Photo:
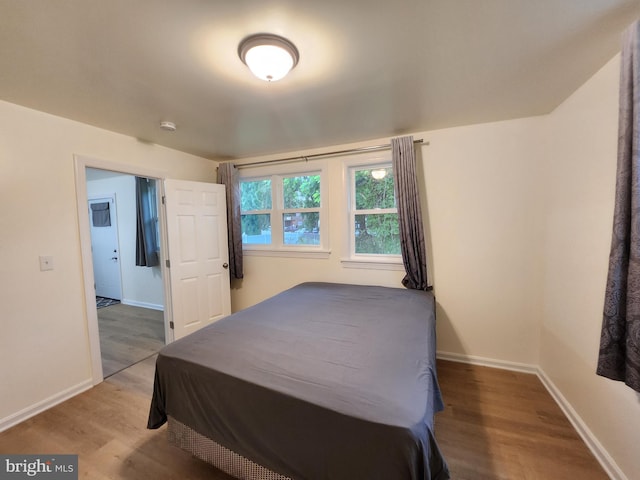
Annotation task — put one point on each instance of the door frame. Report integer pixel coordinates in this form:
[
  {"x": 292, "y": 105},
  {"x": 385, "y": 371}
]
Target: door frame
[
  {"x": 81, "y": 163},
  {"x": 113, "y": 211}
]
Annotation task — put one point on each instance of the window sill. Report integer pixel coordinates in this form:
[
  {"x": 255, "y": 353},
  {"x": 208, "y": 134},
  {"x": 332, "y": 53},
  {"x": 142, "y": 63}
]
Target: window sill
[
  {"x": 372, "y": 264},
  {"x": 319, "y": 254}
]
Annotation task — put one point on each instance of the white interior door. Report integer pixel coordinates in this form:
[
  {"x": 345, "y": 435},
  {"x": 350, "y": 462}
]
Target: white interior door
[
  {"x": 198, "y": 254},
  {"x": 105, "y": 250}
]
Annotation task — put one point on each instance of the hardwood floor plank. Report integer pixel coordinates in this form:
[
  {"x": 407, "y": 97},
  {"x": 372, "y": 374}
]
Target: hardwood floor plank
[
  {"x": 128, "y": 334},
  {"x": 497, "y": 425},
  {"x": 106, "y": 427}
]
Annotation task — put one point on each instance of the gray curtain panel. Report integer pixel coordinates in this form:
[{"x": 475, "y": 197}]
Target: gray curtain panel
[
  {"x": 619, "y": 357},
  {"x": 101, "y": 215},
  {"x": 409, "y": 214},
  {"x": 228, "y": 176},
  {"x": 147, "y": 248}
]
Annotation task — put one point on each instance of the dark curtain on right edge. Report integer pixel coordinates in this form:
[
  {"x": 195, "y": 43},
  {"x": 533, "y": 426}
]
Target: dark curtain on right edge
[
  {"x": 412, "y": 243},
  {"x": 619, "y": 357},
  {"x": 228, "y": 176}
]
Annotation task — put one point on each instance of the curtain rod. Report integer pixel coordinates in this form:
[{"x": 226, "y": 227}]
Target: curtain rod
[{"x": 326, "y": 154}]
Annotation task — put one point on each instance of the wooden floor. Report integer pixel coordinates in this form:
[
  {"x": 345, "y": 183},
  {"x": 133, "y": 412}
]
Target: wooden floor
[
  {"x": 497, "y": 425},
  {"x": 128, "y": 334}
]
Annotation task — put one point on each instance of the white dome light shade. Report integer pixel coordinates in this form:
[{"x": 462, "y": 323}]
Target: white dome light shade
[
  {"x": 268, "y": 62},
  {"x": 269, "y": 57},
  {"x": 379, "y": 174}
]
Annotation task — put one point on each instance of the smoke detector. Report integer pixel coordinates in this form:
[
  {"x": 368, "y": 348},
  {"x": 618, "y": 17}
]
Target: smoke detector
[{"x": 168, "y": 126}]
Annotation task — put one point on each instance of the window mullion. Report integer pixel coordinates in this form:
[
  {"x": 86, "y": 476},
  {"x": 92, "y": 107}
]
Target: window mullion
[
  {"x": 352, "y": 212},
  {"x": 255, "y": 212},
  {"x": 300, "y": 210},
  {"x": 376, "y": 211},
  {"x": 276, "y": 218}
]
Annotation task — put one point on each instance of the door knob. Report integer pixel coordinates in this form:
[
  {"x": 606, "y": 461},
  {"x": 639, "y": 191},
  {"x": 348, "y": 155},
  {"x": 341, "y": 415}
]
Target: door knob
[
  {"x": 114, "y": 258},
  {"x": 225, "y": 265}
]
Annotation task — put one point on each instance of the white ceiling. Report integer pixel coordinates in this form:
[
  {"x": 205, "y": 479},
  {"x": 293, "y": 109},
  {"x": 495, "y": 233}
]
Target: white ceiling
[{"x": 368, "y": 69}]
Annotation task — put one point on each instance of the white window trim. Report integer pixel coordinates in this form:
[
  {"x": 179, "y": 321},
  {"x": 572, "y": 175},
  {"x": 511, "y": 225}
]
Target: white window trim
[
  {"x": 263, "y": 252},
  {"x": 351, "y": 259},
  {"x": 276, "y": 173}
]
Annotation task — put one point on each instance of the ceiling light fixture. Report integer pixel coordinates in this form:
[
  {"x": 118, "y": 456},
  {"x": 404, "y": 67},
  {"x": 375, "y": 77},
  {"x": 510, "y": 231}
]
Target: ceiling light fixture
[
  {"x": 379, "y": 174},
  {"x": 269, "y": 57}
]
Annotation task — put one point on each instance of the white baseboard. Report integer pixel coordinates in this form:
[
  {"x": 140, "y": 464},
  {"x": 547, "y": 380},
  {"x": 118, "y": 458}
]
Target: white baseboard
[
  {"x": 43, "y": 405},
  {"x": 601, "y": 454},
  {"x": 487, "y": 362},
  {"x": 135, "y": 303}
]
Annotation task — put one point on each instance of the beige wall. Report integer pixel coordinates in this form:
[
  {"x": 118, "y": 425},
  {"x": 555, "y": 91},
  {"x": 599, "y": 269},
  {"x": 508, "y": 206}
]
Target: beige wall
[
  {"x": 44, "y": 347},
  {"x": 580, "y": 183},
  {"x": 482, "y": 194}
]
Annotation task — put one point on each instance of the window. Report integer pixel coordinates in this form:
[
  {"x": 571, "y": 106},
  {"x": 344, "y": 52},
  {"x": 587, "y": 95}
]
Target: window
[
  {"x": 282, "y": 212},
  {"x": 301, "y": 212},
  {"x": 255, "y": 208},
  {"x": 372, "y": 215}
]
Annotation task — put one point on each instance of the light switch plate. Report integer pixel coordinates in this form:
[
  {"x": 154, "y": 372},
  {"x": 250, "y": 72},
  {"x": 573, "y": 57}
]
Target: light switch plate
[{"x": 46, "y": 262}]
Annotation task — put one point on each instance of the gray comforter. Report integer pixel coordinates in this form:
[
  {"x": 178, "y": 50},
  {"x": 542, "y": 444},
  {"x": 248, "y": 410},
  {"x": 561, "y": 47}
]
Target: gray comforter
[{"x": 323, "y": 381}]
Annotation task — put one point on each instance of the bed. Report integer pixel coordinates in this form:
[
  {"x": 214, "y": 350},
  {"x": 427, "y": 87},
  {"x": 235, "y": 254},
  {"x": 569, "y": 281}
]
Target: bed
[{"x": 322, "y": 381}]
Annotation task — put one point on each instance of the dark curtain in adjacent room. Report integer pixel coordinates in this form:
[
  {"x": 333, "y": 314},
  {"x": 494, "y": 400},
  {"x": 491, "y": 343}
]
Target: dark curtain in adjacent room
[{"x": 147, "y": 247}]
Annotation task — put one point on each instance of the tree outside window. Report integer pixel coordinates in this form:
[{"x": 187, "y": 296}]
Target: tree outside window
[
  {"x": 301, "y": 213},
  {"x": 374, "y": 211},
  {"x": 255, "y": 207}
]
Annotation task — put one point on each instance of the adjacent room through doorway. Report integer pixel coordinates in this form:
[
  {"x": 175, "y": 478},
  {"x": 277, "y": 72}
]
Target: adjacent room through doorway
[{"x": 129, "y": 296}]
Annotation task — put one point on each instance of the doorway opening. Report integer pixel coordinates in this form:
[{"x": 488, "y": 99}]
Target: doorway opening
[
  {"x": 129, "y": 295},
  {"x": 193, "y": 220},
  {"x": 143, "y": 303}
]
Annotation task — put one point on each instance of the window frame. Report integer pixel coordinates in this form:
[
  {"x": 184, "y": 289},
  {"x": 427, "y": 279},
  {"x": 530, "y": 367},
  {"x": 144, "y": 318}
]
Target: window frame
[
  {"x": 351, "y": 259},
  {"x": 277, "y": 173}
]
